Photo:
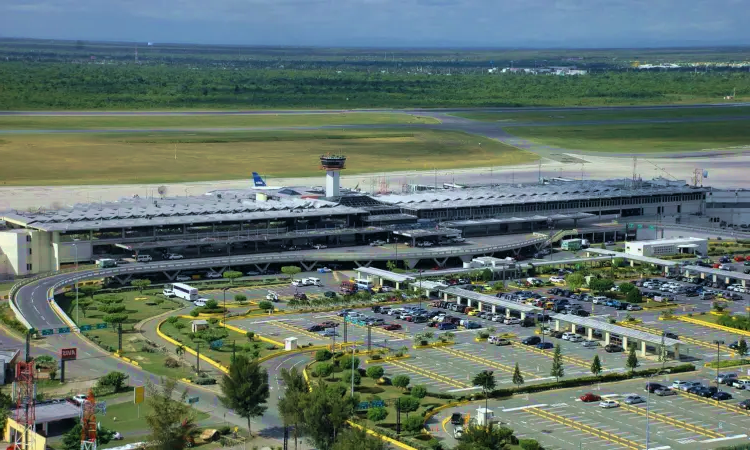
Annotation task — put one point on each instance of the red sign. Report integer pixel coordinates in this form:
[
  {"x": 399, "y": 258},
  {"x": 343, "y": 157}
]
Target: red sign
[{"x": 68, "y": 354}]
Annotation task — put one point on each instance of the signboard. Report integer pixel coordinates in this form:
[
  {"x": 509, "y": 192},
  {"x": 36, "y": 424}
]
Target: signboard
[
  {"x": 68, "y": 354},
  {"x": 139, "y": 394},
  {"x": 63, "y": 330},
  {"x": 101, "y": 326},
  {"x": 85, "y": 327},
  {"x": 372, "y": 404},
  {"x": 48, "y": 332},
  {"x": 216, "y": 344}
]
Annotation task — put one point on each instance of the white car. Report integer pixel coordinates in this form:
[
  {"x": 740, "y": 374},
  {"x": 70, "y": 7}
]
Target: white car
[
  {"x": 742, "y": 384},
  {"x": 252, "y": 273},
  {"x": 79, "y": 399},
  {"x": 567, "y": 335},
  {"x": 633, "y": 399},
  {"x": 182, "y": 278},
  {"x": 590, "y": 344},
  {"x": 511, "y": 321},
  {"x": 272, "y": 296},
  {"x": 599, "y": 300},
  {"x": 377, "y": 243},
  {"x": 199, "y": 303},
  {"x": 632, "y": 307},
  {"x": 576, "y": 338},
  {"x": 174, "y": 256},
  {"x": 557, "y": 279},
  {"x": 319, "y": 246},
  {"x": 606, "y": 404},
  {"x": 214, "y": 275},
  {"x": 498, "y": 318},
  {"x": 298, "y": 283}
]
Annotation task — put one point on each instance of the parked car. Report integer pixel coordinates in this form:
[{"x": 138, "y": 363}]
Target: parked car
[
  {"x": 612, "y": 348},
  {"x": 664, "y": 391},
  {"x": 590, "y": 397},
  {"x": 395, "y": 326},
  {"x": 744, "y": 404},
  {"x": 634, "y": 307},
  {"x": 213, "y": 275},
  {"x": 651, "y": 387},
  {"x": 606, "y": 404},
  {"x": 743, "y": 383},
  {"x": 590, "y": 343},
  {"x": 727, "y": 378},
  {"x": 721, "y": 395},
  {"x": 544, "y": 345},
  {"x": 315, "y": 328},
  {"x": 531, "y": 340},
  {"x": 182, "y": 278},
  {"x": 633, "y": 399},
  {"x": 457, "y": 419}
]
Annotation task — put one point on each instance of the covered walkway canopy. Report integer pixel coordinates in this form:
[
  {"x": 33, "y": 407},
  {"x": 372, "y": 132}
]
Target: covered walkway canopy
[
  {"x": 628, "y": 256},
  {"x": 509, "y": 220},
  {"x": 370, "y": 273},
  {"x": 718, "y": 273},
  {"x": 627, "y": 334},
  {"x": 484, "y": 299}
]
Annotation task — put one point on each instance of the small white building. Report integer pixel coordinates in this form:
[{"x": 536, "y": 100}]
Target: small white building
[{"x": 664, "y": 247}]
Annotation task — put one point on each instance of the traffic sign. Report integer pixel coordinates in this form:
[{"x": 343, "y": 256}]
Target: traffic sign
[
  {"x": 63, "y": 330},
  {"x": 48, "y": 332},
  {"x": 100, "y": 326},
  {"x": 85, "y": 327},
  {"x": 139, "y": 394},
  {"x": 217, "y": 343}
]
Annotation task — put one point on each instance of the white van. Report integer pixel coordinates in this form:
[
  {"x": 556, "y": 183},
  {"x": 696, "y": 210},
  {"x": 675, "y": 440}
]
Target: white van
[
  {"x": 313, "y": 282},
  {"x": 298, "y": 282},
  {"x": 144, "y": 258}
]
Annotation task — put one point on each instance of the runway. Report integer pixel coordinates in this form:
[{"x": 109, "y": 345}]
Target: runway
[{"x": 724, "y": 166}]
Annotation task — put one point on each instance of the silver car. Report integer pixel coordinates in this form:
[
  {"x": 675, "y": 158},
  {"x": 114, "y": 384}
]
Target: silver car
[{"x": 633, "y": 399}]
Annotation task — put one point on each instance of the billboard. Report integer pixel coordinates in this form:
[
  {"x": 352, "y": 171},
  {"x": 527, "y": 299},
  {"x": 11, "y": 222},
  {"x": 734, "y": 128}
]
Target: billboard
[
  {"x": 68, "y": 354},
  {"x": 139, "y": 394}
]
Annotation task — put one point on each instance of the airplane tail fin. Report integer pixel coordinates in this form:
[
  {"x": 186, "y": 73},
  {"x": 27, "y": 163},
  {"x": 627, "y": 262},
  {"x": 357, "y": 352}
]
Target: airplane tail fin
[{"x": 257, "y": 180}]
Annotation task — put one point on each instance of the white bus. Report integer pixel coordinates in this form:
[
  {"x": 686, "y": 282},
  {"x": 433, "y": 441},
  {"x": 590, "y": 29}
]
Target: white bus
[{"x": 182, "y": 291}]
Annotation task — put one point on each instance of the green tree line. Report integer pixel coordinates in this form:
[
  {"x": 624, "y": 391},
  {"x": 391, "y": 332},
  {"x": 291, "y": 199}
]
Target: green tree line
[{"x": 91, "y": 86}]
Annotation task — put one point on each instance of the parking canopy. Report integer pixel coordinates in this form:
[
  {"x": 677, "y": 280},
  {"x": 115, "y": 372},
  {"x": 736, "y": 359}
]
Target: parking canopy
[
  {"x": 615, "y": 329},
  {"x": 489, "y": 299}
]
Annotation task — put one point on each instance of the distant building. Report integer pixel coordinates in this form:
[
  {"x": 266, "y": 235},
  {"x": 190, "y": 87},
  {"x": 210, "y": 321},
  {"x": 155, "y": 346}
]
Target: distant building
[{"x": 665, "y": 247}]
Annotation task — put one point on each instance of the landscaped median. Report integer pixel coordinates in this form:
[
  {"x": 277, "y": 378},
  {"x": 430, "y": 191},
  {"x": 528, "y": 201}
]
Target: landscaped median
[{"x": 713, "y": 322}]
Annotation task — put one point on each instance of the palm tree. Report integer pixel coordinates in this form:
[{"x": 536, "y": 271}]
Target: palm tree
[
  {"x": 188, "y": 431},
  {"x": 486, "y": 380},
  {"x": 180, "y": 350}
]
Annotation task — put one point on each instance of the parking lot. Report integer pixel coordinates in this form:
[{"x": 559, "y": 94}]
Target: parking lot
[{"x": 560, "y": 420}]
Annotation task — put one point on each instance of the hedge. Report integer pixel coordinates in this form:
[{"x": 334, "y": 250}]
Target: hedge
[
  {"x": 584, "y": 381},
  {"x": 728, "y": 363}
]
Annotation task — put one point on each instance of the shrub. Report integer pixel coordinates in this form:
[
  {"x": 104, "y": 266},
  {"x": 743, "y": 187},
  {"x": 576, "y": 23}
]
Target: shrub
[
  {"x": 349, "y": 362},
  {"x": 171, "y": 363},
  {"x": 114, "y": 381},
  {"x": 224, "y": 430},
  {"x": 204, "y": 381},
  {"x": 413, "y": 424},
  {"x": 212, "y": 304},
  {"x": 250, "y": 335},
  {"x": 419, "y": 391},
  {"x": 179, "y": 325},
  {"x": 147, "y": 349},
  {"x": 194, "y": 313},
  {"x": 530, "y": 444},
  {"x": 375, "y": 372},
  {"x": 173, "y": 319},
  {"x": 265, "y": 305},
  {"x": 401, "y": 381},
  {"x": 213, "y": 320},
  {"x": 323, "y": 355},
  {"x": 324, "y": 370},
  {"x": 346, "y": 376}
]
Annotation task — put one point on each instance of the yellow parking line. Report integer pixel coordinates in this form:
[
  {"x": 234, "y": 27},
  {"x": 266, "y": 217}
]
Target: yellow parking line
[
  {"x": 481, "y": 360},
  {"x": 295, "y": 329},
  {"x": 428, "y": 374},
  {"x": 585, "y": 428},
  {"x": 570, "y": 359},
  {"x": 717, "y": 403},
  {"x": 671, "y": 421}
]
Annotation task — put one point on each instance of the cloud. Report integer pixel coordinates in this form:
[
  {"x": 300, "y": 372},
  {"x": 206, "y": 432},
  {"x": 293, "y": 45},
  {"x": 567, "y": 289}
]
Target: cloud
[{"x": 591, "y": 23}]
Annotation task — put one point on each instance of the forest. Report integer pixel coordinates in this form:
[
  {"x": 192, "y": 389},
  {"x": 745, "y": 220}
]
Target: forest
[{"x": 69, "y": 86}]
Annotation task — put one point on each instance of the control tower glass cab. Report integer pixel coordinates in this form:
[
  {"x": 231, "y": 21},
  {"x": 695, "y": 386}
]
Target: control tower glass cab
[{"x": 333, "y": 164}]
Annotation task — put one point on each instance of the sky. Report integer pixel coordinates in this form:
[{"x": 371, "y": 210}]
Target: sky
[{"x": 386, "y": 23}]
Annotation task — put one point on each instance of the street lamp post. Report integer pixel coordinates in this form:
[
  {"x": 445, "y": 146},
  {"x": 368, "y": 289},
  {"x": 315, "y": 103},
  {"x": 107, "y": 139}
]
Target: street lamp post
[
  {"x": 352, "y": 370},
  {"x": 420, "y": 287},
  {"x": 718, "y": 343},
  {"x": 225, "y": 305},
  {"x": 78, "y": 308}
]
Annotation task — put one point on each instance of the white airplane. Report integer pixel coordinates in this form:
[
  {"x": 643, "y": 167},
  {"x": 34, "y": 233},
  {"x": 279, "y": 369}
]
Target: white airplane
[{"x": 261, "y": 185}]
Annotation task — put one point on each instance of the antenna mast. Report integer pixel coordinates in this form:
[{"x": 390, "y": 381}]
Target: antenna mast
[
  {"x": 25, "y": 414},
  {"x": 88, "y": 422}
]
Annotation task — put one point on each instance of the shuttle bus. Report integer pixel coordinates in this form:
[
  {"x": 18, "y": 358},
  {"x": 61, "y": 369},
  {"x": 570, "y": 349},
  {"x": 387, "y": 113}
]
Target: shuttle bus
[{"x": 182, "y": 291}]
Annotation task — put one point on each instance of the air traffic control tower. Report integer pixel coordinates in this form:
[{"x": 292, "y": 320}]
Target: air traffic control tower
[{"x": 333, "y": 164}]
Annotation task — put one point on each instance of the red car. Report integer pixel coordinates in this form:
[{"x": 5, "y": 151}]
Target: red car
[
  {"x": 589, "y": 397},
  {"x": 391, "y": 327},
  {"x": 329, "y": 324},
  {"x": 739, "y": 258}
]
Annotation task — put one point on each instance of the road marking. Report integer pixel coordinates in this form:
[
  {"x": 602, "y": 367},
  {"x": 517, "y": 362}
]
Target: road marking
[
  {"x": 671, "y": 421},
  {"x": 521, "y": 408},
  {"x": 632, "y": 445},
  {"x": 725, "y": 438}
]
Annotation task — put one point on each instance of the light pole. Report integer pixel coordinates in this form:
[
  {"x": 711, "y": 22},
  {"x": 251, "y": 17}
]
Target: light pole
[
  {"x": 718, "y": 343},
  {"x": 420, "y": 287},
  {"x": 225, "y": 305},
  {"x": 352, "y": 369},
  {"x": 78, "y": 307}
]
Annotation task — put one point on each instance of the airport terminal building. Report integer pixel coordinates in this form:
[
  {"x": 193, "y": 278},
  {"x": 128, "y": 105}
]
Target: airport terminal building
[{"x": 249, "y": 220}]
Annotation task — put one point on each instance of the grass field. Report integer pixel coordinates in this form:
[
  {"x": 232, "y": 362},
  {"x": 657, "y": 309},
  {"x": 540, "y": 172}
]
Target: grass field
[
  {"x": 602, "y": 114},
  {"x": 640, "y": 138},
  {"x": 108, "y": 158},
  {"x": 32, "y": 123}
]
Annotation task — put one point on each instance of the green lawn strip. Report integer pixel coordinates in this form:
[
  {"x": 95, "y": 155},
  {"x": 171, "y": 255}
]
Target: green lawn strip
[
  {"x": 134, "y": 346},
  {"x": 106, "y": 158},
  {"x": 32, "y": 123},
  {"x": 222, "y": 354},
  {"x": 5, "y": 287},
  {"x": 640, "y": 138},
  {"x": 602, "y": 114},
  {"x": 369, "y": 390}
]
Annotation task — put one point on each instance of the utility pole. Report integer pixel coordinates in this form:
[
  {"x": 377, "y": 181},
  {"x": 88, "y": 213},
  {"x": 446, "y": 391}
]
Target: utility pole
[{"x": 718, "y": 343}]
